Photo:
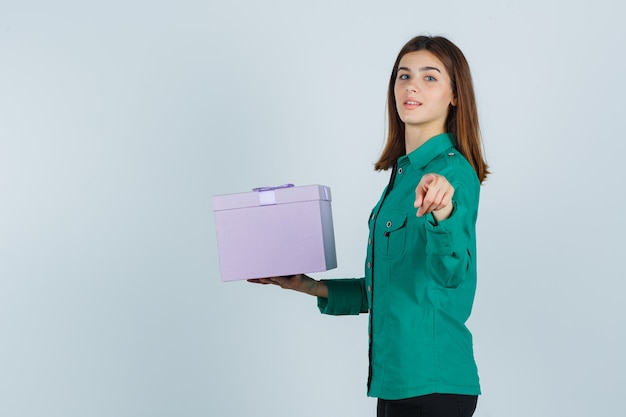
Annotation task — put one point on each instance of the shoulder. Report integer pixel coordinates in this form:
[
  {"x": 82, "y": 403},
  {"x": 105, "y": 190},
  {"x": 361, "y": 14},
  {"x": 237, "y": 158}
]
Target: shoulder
[{"x": 455, "y": 167}]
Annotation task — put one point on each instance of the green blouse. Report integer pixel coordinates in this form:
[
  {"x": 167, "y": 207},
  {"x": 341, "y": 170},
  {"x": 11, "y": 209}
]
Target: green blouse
[{"x": 419, "y": 284}]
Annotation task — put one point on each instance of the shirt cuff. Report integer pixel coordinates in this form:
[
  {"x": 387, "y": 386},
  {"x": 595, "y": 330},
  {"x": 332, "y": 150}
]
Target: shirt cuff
[{"x": 345, "y": 297}]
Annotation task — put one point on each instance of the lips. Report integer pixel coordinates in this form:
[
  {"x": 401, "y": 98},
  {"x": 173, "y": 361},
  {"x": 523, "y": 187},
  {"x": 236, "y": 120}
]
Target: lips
[{"x": 411, "y": 103}]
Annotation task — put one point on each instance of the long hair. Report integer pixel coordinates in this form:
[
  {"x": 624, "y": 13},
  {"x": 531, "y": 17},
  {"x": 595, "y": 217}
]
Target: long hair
[{"x": 462, "y": 119}]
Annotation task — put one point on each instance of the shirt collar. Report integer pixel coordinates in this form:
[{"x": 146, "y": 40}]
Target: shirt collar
[{"x": 428, "y": 151}]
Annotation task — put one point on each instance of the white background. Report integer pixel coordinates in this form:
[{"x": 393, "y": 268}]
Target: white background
[{"x": 120, "y": 119}]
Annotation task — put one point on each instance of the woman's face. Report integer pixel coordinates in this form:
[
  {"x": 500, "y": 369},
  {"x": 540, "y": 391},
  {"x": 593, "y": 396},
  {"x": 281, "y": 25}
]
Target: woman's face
[{"x": 423, "y": 92}]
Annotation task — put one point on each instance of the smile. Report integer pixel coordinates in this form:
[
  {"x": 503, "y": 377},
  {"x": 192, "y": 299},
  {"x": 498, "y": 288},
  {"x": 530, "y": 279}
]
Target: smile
[{"x": 411, "y": 104}]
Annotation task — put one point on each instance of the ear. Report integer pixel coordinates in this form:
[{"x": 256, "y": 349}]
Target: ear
[{"x": 453, "y": 102}]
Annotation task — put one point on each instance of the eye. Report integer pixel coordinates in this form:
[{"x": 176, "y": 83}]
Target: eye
[
  {"x": 430, "y": 78},
  {"x": 403, "y": 76}
]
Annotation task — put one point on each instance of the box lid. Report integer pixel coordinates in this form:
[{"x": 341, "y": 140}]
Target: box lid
[{"x": 271, "y": 195}]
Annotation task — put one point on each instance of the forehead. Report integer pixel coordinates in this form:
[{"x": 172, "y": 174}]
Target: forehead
[{"x": 419, "y": 59}]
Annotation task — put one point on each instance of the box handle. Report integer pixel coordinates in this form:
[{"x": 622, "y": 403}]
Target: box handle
[{"x": 260, "y": 189}]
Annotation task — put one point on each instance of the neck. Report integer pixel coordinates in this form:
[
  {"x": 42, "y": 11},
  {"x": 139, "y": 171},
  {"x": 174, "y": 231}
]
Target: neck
[{"x": 415, "y": 137}]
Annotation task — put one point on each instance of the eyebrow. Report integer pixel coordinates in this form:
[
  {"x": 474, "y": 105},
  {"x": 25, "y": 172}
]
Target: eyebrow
[{"x": 422, "y": 69}]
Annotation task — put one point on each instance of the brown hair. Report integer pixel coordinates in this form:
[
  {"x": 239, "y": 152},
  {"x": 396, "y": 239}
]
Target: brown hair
[{"x": 462, "y": 120}]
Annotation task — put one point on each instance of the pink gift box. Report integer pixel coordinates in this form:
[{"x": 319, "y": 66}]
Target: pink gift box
[{"x": 274, "y": 231}]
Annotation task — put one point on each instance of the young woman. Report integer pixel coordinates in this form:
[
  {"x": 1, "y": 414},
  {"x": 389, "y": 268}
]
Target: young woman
[{"x": 420, "y": 269}]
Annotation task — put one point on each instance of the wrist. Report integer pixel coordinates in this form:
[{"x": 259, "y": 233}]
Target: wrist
[
  {"x": 315, "y": 288},
  {"x": 318, "y": 288},
  {"x": 443, "y": 213},
  {"x": 310, "y": 286}
]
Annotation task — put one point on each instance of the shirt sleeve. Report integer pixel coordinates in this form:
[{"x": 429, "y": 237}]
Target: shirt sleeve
[
  {"x": 450, "y": 243},
  {"x": 345, "y": 297}
]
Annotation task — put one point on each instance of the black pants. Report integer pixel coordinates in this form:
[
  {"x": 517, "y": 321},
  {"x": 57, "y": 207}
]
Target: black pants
[{"x": 431, "y": 405}]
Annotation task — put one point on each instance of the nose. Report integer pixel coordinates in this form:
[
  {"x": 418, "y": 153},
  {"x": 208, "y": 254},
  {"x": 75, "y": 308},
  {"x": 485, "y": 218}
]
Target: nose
[{"x": 411, "y": 88}]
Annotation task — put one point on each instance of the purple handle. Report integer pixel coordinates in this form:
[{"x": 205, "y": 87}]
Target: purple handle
[{"x": 259, "y": 189}]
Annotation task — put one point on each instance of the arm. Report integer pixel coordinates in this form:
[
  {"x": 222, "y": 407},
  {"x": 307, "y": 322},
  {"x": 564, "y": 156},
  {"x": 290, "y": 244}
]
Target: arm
[
  {"x": 450, "y": 221},
  {"x": 334, "y": 297}
]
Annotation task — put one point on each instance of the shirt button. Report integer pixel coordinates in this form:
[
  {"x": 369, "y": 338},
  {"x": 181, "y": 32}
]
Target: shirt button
[
  {"x": 369, "y": 288},
  {"x": 451, "y": 154},
  {"x": 389, "y": 224},
  {"x": 369, "y": 265},
  {"x": 369, "y": 241},
  {"x": 400, "y": 171}
]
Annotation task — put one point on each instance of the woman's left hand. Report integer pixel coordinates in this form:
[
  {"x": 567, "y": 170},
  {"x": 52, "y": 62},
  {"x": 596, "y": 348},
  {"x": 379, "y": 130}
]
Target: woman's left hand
[{"x": 434, "y": 195}]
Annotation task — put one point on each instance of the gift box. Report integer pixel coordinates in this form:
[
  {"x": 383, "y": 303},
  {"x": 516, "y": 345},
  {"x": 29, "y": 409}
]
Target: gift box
[{"x": 274, "y": 231}]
